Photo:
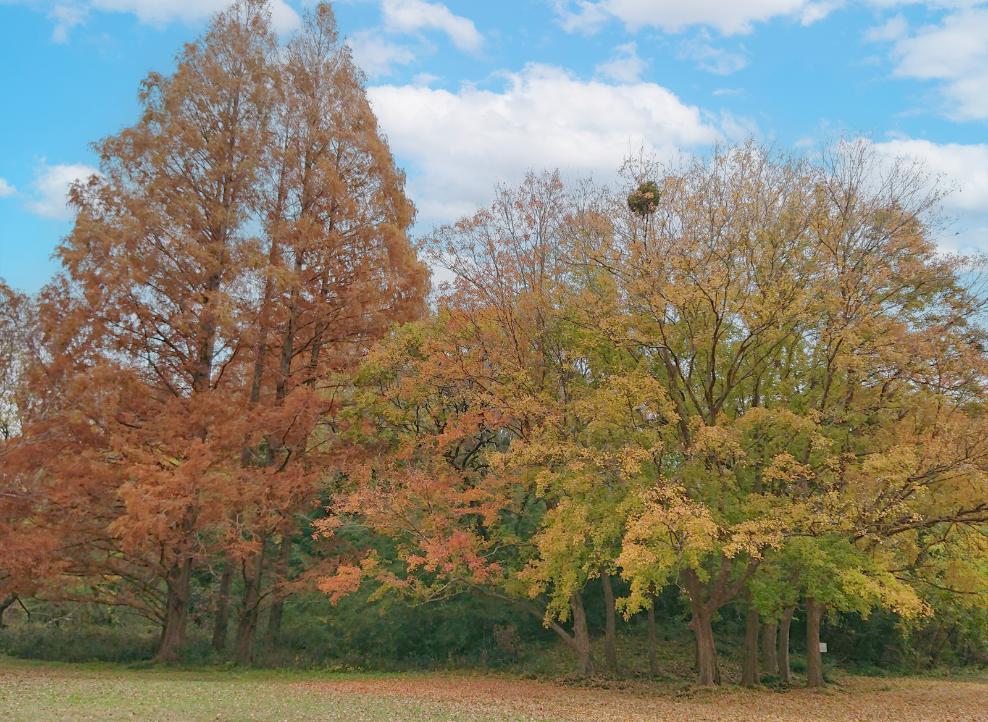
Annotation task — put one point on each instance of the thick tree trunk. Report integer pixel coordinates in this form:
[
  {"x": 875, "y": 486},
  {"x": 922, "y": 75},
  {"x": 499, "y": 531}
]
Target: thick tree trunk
[
  {"x": 749, "y": 664},
  {"x": 221, "y": 619},
  {"x": 581, "y": 636},
  {"x": 770, "y": 649},
  {"x": 4, "y": 605},
  {"x": 814, "y": 659},
  {"x": 249, "y": 613},
  {"x": 785, "y": 670},
  {"x": 708, "y": 670},
  {"x": 610, "y": 631},
  {"x": 176, "y": 612},
  {"x": 653, "y": 642},
  {"x": 281, "y": 570}
]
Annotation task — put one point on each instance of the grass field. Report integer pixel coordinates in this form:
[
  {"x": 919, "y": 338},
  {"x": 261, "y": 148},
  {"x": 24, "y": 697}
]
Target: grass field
[{"x": 36, "y": 692}]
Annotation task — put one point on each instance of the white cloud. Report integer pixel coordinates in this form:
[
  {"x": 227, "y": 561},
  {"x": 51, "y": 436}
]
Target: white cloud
[
  {"x": 893, "y": 29},
  {"x": 161, "y": 12},
  {"x": 965, "y": 167},
  {"x": 375, "y": 54},
  {"x": 709, "y": 58},
  {"x": 461, "y": 143},
  {"x": 6, "y": 190},
  {"x": 727, "y": 16},
  {"x": 954, "y": 52},
  {"x": 50, "y": 189},
  {"x": 65, "y": 18},
  {"x": 66, "y": 14},
  {"x": 409, "y": 16},
  {"x": 624, "y": 66},
  {"x": 729, "y": 91}
]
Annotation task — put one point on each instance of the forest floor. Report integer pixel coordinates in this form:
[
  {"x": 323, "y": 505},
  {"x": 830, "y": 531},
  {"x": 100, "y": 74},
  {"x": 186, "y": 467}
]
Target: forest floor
[{"x": 36, "y": 692}]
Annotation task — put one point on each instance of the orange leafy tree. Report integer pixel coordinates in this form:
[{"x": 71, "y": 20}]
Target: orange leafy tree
[{"x": 241, "y": 245}]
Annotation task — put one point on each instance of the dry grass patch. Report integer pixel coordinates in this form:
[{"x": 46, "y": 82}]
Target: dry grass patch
[{"x": 32, "y": 692}]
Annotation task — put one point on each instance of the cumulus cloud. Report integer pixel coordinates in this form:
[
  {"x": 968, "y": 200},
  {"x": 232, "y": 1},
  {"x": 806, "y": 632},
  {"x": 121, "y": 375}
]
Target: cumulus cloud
[
  {"x": 544, "y": 117},
  {"x": 50, "y": 189},
  {"x": 624, "y": 66},
  {"x": 963, "y": 167},
  {"x": 6, "y": 189},
  {"x": 710, "y": 58},
  {"x": 727, "y": 16},
  {"x": 409, "y": 16},
  {"x": 954, "y": 52}
]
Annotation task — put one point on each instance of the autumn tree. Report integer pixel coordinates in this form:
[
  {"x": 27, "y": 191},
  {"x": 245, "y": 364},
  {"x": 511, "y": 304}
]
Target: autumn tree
[
  {"x": 778, "y": 298},
  {"x": 678, "y": 388},
  {"x": 461, "y": 418},
  {"x": 338, "y": 272},
  {"x": 243, "y": 242}
]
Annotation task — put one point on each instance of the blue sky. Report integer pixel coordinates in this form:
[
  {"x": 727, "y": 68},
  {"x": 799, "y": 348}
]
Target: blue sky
[{"x": 474, "y": 93}]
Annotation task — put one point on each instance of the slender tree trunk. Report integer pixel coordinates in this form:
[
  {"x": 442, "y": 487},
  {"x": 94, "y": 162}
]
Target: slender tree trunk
[
  {"x": 749, "y": 665},
  {"x": 814, "y": 659},
  {"x": 653, "y": 642},
  {"x": 247, "y": 625},
  {"x": 222, "y": 613},
  {"x": 708, "y": 670},
  {"x": 581, "y": 636},
  {"x": 281, "y": 571},
  {"x": 610, "y": 631},
  {"x": 4, "y": 605},
  {"x": 785, "y": 670},
  {"x": 770, "y": 649},
  {"x": 176, "y": 612}
]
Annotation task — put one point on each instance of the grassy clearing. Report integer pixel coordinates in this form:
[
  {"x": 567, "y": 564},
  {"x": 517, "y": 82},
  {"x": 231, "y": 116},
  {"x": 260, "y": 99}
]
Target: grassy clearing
[{"x": 33, "y": 692}]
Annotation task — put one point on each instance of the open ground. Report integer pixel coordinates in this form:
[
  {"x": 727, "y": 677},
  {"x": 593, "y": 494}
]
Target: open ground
[{"x": 36, "y": 692}]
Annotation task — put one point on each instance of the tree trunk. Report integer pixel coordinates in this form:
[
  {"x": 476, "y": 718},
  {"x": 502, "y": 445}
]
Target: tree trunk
[
  {"x": 708, "y": 671},
  {"x": 247, "y": 625},
  {"x": 814, "y": 659},
  {"x": 785, "y": 671},
  {"x": 749, "y": 665},
  {"x": 222, "y": 618},
  {"x": 581, "y": 636},
  {"x": 770, "y": 649},
  {"x": 653, "y": 642},
  {"x": 281, "y": 570},
  {"x": 176, "y": 612},
  {"x": 610, "y": 632},
  {"x": 4, "y": 605}
]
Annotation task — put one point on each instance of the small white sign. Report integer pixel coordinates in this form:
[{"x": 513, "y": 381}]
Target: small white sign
[{"x": 823, "y": 646}]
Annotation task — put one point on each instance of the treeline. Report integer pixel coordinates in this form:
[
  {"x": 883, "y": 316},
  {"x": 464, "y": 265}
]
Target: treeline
[{"x": 749, "y": 380}]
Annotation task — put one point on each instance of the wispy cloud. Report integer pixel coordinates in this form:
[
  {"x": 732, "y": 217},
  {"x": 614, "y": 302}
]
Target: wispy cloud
[
  {"x": 729, "y": 17},
  {"x": 375, "y": 53},
  {"x": 409, "y": 16},
  {"x": 6, "y": 189},
  {"x": 50, "y": 189},
  {"x": 954, "y": 52},
  {"x": 624, "y": 65},
  {"x": 710, "y": 58}
]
